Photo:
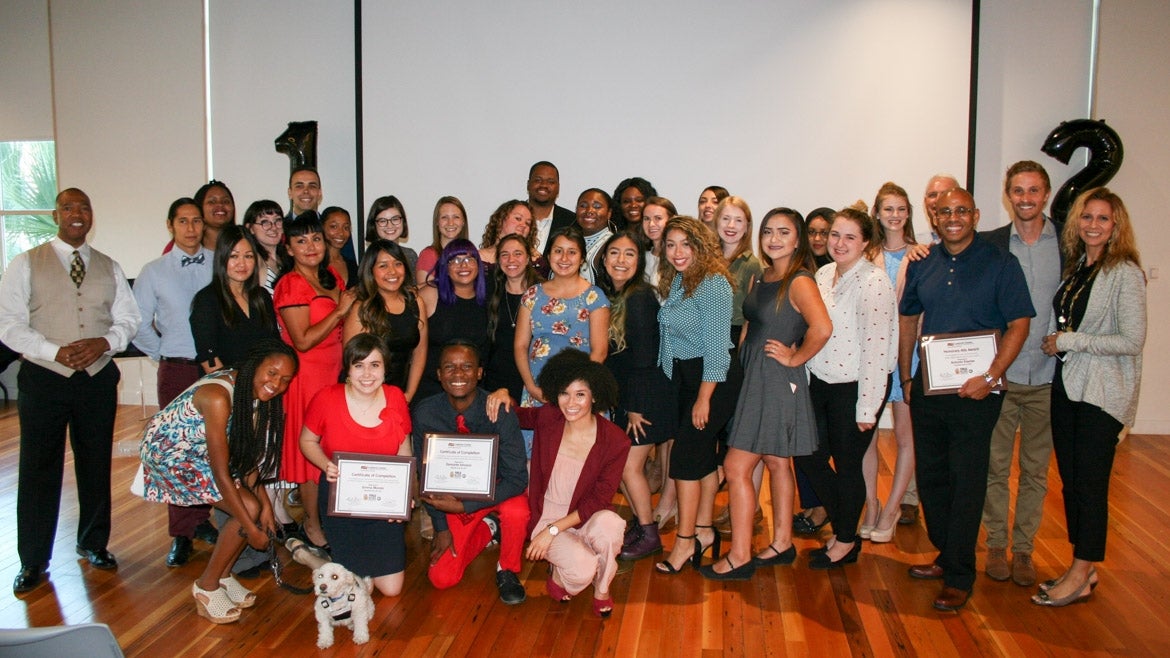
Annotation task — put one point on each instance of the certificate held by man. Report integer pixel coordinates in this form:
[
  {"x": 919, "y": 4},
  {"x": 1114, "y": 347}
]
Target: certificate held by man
[
  {"x": 372, "y": 486},
  {"x": 949, "y": 360},
  {"x": 460, "y": 465}
]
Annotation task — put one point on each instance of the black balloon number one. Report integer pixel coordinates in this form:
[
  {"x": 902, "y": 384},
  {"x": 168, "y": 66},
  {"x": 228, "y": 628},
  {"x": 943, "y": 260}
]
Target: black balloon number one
[
  {"x": 299, "y": 143},
  {"x": 1105, "y": 154}
]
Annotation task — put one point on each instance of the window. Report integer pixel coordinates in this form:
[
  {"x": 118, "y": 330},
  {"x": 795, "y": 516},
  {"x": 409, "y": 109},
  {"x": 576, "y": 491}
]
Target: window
[{"x": 28, "y": 188}]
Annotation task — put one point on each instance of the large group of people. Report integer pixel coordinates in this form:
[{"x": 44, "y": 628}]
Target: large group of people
[{"x": 591, "y": 343}]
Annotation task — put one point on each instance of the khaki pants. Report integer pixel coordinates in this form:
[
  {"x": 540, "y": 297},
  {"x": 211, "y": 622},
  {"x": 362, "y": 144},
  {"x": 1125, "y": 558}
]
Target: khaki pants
[{"x": 1029, "y": 409}]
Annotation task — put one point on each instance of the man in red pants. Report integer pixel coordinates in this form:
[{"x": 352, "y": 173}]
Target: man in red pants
[{"x": 463, "y": 528}]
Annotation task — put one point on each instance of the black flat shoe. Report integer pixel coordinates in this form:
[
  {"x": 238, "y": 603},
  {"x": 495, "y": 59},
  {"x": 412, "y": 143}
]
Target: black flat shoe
[
  {"x": 98, "y": 558},
  {"x": 180, "y": 552},
  {"x": 822, "y": 561},
  {"x": 802, "y": 525},
  {"x": 29, "y": 578},
  {"x": 742, "y": 572},
  {"x": 780, "y": 558}
]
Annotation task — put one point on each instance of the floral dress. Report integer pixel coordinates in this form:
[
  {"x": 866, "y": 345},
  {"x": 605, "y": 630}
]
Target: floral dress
[
  {"x": 175, "y": 464},
  {"x": 556, "y": 324}
]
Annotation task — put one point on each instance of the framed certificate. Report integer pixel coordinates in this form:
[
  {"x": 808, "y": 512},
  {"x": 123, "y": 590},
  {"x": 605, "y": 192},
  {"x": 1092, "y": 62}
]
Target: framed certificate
[
  {"x": 460, "y": 465},
  {"x": 372, "y": 486},
  {"x": 949, "y": 360}
]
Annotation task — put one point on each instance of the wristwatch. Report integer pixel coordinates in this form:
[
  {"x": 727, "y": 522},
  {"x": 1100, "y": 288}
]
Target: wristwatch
[
  {"x": 553, "y": 531},
  {"x": 989, "y": 379}
]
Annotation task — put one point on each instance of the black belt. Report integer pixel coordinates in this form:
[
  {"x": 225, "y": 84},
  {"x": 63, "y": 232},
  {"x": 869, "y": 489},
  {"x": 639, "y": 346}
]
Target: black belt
[{"x": 180, "y": 360}]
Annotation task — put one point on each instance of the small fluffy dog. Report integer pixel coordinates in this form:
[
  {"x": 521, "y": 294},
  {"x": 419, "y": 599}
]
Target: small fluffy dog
[{"x": 343, "y": 599}]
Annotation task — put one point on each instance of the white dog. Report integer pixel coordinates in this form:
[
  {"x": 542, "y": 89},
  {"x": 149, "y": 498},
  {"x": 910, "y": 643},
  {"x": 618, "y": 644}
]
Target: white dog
[{"x": 343, "y": 599}]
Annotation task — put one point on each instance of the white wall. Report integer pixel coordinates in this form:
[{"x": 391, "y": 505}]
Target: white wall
[
  {"x": 797, "y": 104},
  {"x": 1033, "y": 74},
  {"x": 1133, "y": 93},
  {"x": 267, "y": 69},
  {"x": 128, "y": 102},
  {"x": 26, "y": 104}
]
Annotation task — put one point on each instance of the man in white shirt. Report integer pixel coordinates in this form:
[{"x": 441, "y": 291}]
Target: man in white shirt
[{"x": 67, "y": 308}]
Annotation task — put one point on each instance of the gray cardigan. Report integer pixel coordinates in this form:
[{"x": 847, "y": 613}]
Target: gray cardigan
[{"x": 1103, "y": 364}]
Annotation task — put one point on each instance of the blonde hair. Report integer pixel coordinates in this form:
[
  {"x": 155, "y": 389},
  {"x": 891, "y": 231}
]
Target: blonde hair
[
  {"x": 745, "y": 241},
  {"x": 890, "y": 188},
  {"x": 1122, "y": 245}
]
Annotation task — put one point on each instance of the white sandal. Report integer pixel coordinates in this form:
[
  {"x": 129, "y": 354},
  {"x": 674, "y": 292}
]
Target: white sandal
[
  {"x": 240, "y": 595},
  {"x": 215, "y": 605}
]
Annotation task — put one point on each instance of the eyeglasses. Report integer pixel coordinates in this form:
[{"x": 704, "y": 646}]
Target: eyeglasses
[
  {"x": 962, "y": 212},
  {"x": 269, "y": 224},
  {"x": 389, "y": 221},
  {"x": 818, "y": 234},
  {"x": 461, "y": 260}
]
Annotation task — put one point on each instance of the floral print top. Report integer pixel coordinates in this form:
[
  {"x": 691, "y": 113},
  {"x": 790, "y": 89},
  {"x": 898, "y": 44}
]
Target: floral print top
[{"x": 558, "y": 323}]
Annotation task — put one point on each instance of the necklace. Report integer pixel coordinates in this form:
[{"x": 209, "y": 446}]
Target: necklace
[
  {"x": 1077, "y": 283},
  {"x": 353, "y": 398},
  {"x": 508, "y": 304}
]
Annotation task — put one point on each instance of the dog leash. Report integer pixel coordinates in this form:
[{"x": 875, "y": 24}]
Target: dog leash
[{"x": 277, "y": 568}]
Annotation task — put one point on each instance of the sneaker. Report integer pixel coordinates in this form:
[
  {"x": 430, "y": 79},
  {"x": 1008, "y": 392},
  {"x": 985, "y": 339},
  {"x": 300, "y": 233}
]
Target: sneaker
[
  {"x": 997, "y": 564},
  {"x": 1023, "y": 571},
  {"x": 511, "y": 591},
  {"x": 492, "y": 521}
]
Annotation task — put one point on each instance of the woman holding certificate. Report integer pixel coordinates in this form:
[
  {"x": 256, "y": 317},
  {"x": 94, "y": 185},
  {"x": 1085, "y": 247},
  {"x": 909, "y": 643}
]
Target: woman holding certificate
[
  {"x": 850, "y": 379},
  {"x": 192, "y": 454},
  {"x": 363, "y": 415},
  {"x": 1100, "y": 312}
]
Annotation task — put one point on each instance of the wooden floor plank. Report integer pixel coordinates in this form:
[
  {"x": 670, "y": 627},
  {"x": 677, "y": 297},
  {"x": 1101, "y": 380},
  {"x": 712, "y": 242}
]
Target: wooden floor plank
[{"x": 869, "y": 609}]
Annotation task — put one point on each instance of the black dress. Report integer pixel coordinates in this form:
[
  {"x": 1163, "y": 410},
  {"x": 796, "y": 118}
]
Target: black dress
[
  {"x": 403, "y": 338},
  {"x": 214, "y": 338},
  {"x": 500, "y": 369},
  {"x": 464, "y": 320},
  {"x": 643, "y": 387}
]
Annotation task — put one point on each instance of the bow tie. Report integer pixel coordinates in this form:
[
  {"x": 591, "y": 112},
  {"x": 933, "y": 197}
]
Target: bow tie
[{"x": 187, "y": 260}]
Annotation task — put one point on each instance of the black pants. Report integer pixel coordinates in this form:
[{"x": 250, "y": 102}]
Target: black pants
[
  {"x": 840, "y": 487},
  {"x": 952, "y": 449},
  {"x": 1085, "y": 439},
  {"x": 48, "y": 404}
]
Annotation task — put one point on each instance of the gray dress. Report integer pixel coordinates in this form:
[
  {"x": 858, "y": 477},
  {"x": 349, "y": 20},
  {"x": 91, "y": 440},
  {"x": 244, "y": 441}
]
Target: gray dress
[{"x": 774, "y": 415}]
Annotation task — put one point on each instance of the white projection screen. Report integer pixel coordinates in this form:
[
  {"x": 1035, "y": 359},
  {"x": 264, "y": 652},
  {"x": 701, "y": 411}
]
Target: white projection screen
[{"x": 796, "y": 103}]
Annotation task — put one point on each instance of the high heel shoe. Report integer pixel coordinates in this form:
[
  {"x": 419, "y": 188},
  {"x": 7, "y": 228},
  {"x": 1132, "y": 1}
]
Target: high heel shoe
[
  {"x": 822, "y": 560},
  {"x": 555, "y": 591},
  {"x": 716, "y": 542},
  {"x": 865, "y": 531},
  {"x": 742, "y": 572},
  {"x": 215, "y": 605},
  {"x": 1053, "y": 582},
  {"x": 666, "y": 567},
  {"x": 1081, "y": 594},
  {"x": 666, "y": 522},
  {"x": 880, "y": 536}
]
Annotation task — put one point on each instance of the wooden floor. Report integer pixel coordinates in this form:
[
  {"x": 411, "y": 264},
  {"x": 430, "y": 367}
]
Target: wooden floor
[{"x": 869, "y": 609}]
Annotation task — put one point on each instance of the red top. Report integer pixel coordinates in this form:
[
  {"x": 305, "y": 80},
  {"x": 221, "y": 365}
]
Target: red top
[
  {"x": 328, "y": 417},
  {"x": 600, "y": 475}
]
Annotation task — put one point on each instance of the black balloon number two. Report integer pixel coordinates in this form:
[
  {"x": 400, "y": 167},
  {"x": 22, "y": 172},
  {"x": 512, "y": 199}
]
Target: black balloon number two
[
  {"x": 1105, "y": 154},
  {"x": 299, "y": 143}
]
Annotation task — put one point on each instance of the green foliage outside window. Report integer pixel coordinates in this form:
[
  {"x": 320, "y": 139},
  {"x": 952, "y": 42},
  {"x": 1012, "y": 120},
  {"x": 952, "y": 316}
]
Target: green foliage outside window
[{"x": 28, "y": 187}]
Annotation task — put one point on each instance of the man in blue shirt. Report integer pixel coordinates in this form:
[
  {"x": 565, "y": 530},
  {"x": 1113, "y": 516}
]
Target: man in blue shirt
[
  {"x": 964, "y": 284},
  {"x": 164, "y": 290}
]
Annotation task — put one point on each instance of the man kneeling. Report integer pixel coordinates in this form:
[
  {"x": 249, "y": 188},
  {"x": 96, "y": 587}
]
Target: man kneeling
[{"x": 463, "y": 528}]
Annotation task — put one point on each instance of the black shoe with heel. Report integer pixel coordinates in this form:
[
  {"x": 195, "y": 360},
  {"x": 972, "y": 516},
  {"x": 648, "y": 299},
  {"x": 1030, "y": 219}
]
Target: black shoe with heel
[
  {"x": 716, "y": 542},
  {"x": 667, "y": 568}
]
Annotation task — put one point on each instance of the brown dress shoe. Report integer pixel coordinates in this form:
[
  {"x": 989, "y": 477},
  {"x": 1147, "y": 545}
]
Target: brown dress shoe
[
  {"x": 909, "y": 515},
  {"x": 951, "y": 599},
  {"x": 997, "y": 565},
  {"x": 926, "y": 571},
  {"x": 1023, "y": 571}
]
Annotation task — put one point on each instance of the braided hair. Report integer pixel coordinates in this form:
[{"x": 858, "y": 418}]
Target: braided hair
[{"x": 255, "y": 446}]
